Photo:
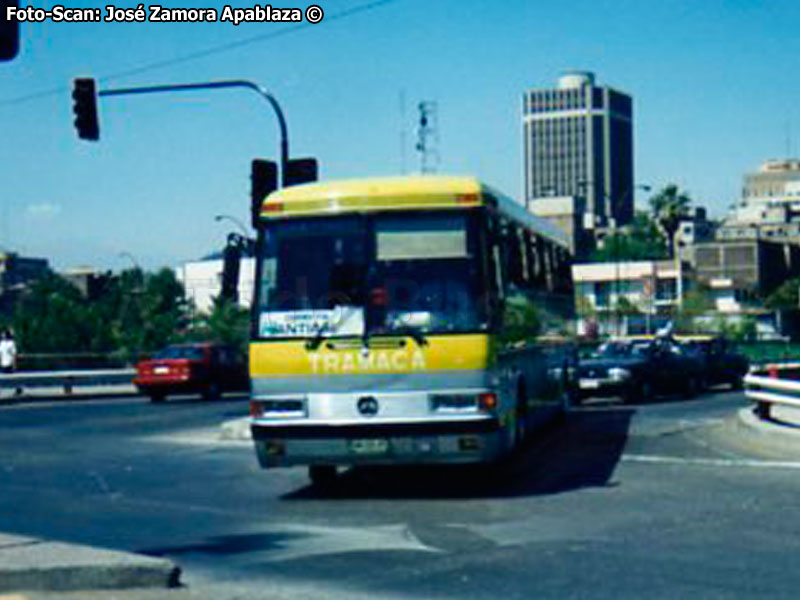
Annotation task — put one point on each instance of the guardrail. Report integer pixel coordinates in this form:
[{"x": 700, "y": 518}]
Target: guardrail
[
  {"x": 770, "y": 389},
  {"x": 67, "y": 380}
]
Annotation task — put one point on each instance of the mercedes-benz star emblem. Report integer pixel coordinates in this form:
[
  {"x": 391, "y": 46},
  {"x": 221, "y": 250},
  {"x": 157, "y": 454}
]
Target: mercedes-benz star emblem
[{"x": 367, "y": 406}]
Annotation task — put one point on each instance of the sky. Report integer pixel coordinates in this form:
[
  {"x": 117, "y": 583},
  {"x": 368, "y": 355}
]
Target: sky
[{"x": 714, "y": 85}]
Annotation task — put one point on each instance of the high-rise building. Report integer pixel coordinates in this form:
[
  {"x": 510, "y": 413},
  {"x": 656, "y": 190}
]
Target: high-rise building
[{"x": 579, "y": 143}]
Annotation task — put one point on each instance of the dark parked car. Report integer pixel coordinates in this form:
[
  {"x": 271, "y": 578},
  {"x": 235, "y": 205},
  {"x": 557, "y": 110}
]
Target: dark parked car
[
  {"x": 721, "y": 363},
  {"x": 205, "y": 368},
  {"x": 637, "y": 369}
]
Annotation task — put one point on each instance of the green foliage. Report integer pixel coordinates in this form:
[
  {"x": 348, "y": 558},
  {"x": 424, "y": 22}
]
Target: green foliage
[
  {"x": 668, "y": 207},
  {"x": 227, "y": 323},
  {"x": 785, "y": 296},
  {"x": 626, "y": 307},
  {"x": 747, "y": 331},
  {"x": 521, "y": 319},
  {"x": 584, "y": 306},
  {"x": 641, "y": 240},
  {"x": 772, "y": 351},
  {"x": 738, "y": 330},
  {"x": 52, "y": 317},
  {"x": 696, "y": 302},
  {"x": 133, "y": 313}
]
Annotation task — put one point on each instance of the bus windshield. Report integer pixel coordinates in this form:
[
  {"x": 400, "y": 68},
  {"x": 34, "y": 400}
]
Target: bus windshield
[{"x": 378, "y": 274}]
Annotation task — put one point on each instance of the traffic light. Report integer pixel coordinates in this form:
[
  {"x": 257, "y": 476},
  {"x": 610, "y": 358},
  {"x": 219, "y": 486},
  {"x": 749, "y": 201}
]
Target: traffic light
[
  {"x": 9, "y": 31},
  {"x": 300, "y": 170},
  {"x": 264, "y": 181},
  {"x": 231, "y": 257},
  {"x": 85, "y": 109}
]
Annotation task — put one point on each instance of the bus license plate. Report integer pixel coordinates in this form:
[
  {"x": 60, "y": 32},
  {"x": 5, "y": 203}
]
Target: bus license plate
[
  {"x": 369, "y": 446},
  {"x": 589, "y": 384}
]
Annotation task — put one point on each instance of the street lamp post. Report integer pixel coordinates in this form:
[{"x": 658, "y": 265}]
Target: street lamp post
[
  {"x": 233, "y": 220},
  {"x": 616, "y": 254},
  {"x": 679, "y": 276},
  {"x": 132, "y": 258},
  {"x": 235, "y": 83}
]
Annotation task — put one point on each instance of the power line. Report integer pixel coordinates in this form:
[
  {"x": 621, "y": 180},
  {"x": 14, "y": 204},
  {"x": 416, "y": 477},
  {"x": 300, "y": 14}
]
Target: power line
[{"x": 162, "y": 64}]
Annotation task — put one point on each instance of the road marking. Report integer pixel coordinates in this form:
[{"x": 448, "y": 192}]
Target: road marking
[{"x": 711, "y": 462}]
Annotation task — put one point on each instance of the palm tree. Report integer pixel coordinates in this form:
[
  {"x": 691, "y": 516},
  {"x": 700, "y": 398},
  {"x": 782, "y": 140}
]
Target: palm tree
[{"x": 669, "y": 206}]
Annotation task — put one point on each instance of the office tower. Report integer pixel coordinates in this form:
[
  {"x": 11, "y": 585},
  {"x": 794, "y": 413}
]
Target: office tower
[{"x": 579, "y": 143}]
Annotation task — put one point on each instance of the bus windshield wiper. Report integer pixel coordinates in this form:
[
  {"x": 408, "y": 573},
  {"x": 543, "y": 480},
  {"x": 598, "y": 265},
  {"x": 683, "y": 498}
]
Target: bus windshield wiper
[
  {"x": 314, "y": 342},
  {"x": 328, "y": 328},
  {"x": 412, "y": 332}
]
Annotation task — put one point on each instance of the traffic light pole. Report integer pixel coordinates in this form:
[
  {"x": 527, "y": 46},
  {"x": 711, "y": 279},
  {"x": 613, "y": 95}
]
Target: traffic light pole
[{"x": 235, "y": 83}]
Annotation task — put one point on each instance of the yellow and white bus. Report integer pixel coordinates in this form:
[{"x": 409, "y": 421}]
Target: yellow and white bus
[{"x": 404, "y": 320}]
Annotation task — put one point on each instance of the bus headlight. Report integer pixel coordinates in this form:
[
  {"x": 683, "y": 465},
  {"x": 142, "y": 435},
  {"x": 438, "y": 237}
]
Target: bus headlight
[
  {"x": 278, "y": 408},
  {"x": 454, "y": 402},
  {"x": 618, "y": 374},
  {"x": 460, "y": 403}
]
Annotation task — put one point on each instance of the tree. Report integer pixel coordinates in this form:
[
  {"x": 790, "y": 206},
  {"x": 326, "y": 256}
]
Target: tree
[
  {"x": 785, "y": 296},
  {"x": 626, "y": 307},
  {"x": 641, "y": 240},
  {"x": 227, "y": 323},
  {"x": 52, "y": 317},
  {"x": 132, "y": 313},
  {"x": 583, "y": 306},
  {"x": 669, "y": 206},
  {"x": 696, "y": 302}
]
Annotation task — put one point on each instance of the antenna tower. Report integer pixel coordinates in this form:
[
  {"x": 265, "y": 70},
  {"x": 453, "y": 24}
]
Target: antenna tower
[{"x": 428, "y": 136}]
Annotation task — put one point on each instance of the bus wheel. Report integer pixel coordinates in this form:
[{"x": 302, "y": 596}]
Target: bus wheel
[
  {"x": 322, "y": 475},
  {"x": 157, "y": 397}
]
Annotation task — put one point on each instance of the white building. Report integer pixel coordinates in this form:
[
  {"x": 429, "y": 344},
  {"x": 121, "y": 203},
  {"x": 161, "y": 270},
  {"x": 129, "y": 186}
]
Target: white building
[
  {"x": 770, "y": 195},
  {"x": 202, "y": 281},
  {"x": 650, "y": 287}
]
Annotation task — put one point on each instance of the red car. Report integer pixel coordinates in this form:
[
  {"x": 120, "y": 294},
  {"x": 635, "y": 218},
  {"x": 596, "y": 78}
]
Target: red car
[{"x": 205, "y": 368}]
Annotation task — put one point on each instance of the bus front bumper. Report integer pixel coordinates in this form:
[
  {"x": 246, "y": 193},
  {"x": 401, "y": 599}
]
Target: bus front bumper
[{"x": 430, "y": 442}]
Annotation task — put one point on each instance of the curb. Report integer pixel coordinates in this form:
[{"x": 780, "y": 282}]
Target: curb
[
  {"x": 30, "y": 564},
  {"x": 769, "y": 435},
  {"x": 786, "y": 430},
  {"x": 236, "y": 429}
]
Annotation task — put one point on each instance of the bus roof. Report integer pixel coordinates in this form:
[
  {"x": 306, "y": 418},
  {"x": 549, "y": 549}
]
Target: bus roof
[{"x": 415, "y": 192}]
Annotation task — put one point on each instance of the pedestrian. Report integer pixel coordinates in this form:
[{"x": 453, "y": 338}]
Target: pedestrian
[
  {"x": 8, "y": 356},
  {"x": 8, "y": 352}
]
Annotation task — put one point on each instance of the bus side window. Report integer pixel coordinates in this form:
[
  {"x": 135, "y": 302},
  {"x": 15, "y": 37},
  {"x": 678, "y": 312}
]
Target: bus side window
[
  {"x": 541, "y": 259},
  {"x": 514, "y": 261},
  {"x": 495, "y": 277},
  {"x": 524, "y": 246}
]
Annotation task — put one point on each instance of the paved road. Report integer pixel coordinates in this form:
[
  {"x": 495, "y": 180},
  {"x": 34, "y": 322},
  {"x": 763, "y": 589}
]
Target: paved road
[{"x": 664, "y": 500}]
